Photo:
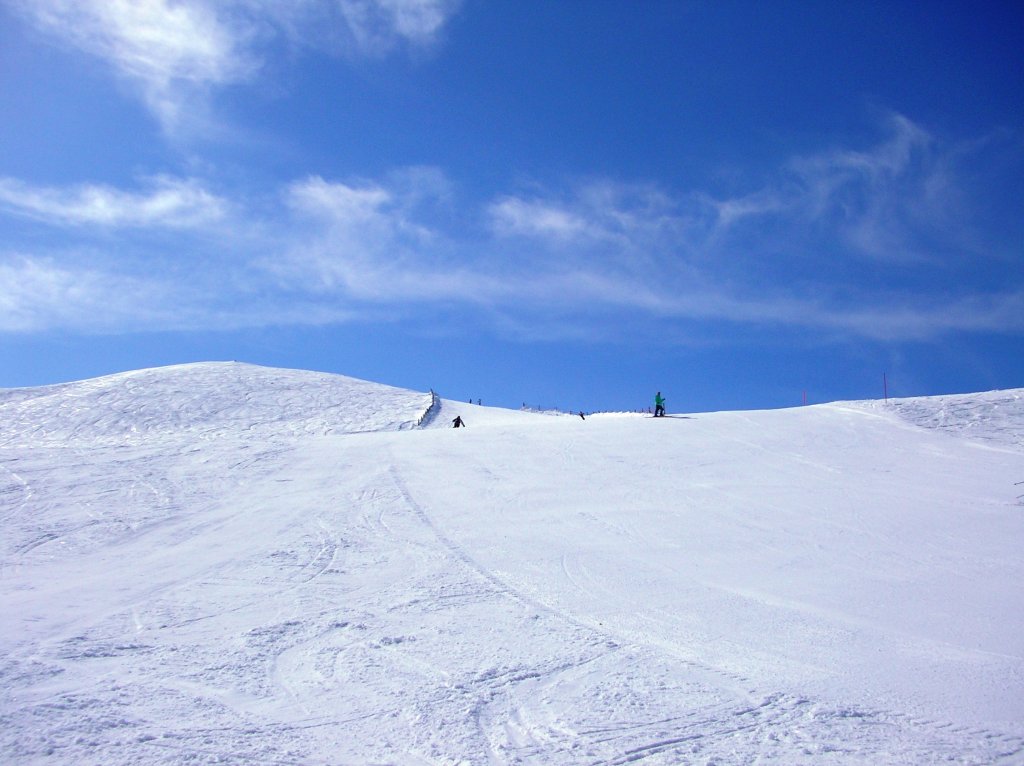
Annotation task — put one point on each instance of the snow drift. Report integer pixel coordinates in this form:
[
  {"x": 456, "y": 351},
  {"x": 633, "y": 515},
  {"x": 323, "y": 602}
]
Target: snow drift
[{"x": 221, "y": 563}]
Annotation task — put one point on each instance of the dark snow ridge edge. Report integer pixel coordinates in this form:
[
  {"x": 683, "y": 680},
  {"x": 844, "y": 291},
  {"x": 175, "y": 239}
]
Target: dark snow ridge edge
[{"x": 430, "y": 412}]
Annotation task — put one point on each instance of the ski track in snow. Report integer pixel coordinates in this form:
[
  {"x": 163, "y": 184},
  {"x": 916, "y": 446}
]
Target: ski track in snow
[{"x": 226, "y": 564}]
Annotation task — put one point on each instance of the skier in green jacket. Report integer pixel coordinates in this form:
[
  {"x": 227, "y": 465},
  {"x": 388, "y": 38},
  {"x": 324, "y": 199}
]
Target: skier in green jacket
[{"x": 659, "y": 405}]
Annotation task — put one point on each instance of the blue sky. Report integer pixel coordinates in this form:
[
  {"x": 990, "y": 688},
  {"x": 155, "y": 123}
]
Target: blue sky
[{"x": 568, "y": 204}]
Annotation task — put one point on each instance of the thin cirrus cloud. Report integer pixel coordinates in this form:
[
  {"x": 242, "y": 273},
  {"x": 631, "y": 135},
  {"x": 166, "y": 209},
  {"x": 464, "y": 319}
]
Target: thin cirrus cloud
[
  {"x": 47, "y": 293},
  {"x": 796, "y": 252},
  {"x": 169, "y": 203},
  {"x": 803, "y": 251},
  {"x": 872, "y": 205},
  {"x": 41, "y": 294},
  {"x": 514, "y": 216},
  {"x": 377, "y": 26},
  {"x": 176, "y": 52},
  {"x": 886, "y": 203},
  {"x": 366, "y": 241},
  {"x": 171, "y": 51}
]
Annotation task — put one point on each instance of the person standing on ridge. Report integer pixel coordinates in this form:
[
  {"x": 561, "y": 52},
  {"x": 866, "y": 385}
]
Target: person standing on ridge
[{"x": 659, "y": 405}]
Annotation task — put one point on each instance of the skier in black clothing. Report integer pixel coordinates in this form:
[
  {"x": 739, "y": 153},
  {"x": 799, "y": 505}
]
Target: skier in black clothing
[{"x": 457, "y": 423}]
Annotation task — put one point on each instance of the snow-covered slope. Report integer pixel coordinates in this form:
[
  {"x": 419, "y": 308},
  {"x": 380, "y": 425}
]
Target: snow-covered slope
[
  {"x": 994, "y": 416},
  {"x": 226, "y": 564},
  {"x": 203, "y": 401}
]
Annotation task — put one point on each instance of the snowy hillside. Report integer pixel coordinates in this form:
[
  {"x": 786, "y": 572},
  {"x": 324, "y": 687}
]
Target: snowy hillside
[
  {"x": 995, "y": 416},
  {"x": 222, "y": 563},
  {"x": 203, "y": 401}
]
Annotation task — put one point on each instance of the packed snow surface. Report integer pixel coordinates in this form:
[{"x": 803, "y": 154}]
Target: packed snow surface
[{"x": 221, "y": 563}]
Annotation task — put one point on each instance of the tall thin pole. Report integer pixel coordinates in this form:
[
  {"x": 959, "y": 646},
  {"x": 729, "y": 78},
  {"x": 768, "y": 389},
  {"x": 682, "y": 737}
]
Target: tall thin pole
[{"x": 885, "y": 386}]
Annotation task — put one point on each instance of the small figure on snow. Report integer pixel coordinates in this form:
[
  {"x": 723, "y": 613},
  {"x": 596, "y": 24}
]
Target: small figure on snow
[
  {"x": 659, "y": 405},
  {"x": 581, "y": 415},
  {"x": 457, "y": 423}
]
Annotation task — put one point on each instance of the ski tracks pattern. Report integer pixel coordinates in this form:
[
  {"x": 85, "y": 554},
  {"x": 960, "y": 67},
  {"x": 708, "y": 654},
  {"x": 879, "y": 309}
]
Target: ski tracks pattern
[
  {"x": 349, "y": 627},
  {"x": 605, "y": 699}
]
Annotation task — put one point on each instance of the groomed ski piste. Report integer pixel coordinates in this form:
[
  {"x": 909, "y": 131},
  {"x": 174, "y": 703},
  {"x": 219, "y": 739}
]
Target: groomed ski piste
[{"x": 226, "y": 564}]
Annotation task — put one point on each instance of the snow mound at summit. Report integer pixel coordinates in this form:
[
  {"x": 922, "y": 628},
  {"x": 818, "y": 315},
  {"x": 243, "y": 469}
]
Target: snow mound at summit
[
  {"x": 203, "y": 401},
  {"x": 995, "y": 418},
  {"x": 992, "y": 416}
]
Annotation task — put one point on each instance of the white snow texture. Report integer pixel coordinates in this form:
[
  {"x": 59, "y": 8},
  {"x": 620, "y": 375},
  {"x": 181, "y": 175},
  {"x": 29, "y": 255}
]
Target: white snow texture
[{"x": 226, "y": 564}]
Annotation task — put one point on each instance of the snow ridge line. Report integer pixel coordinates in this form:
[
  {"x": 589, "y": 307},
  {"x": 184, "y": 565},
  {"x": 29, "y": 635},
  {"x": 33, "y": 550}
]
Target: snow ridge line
[{"x": 428, "y": 415}]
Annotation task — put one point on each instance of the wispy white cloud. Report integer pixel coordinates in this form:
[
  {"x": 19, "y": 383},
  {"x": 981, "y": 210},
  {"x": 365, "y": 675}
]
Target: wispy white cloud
[
  {"x": 607, "y": 237},
  {"x": 895, "y": 202},
  {"x": 377, "y": 26},
  {"x": 370, "y": 28},
  {"x": 513, "y": 216},
  {"x": 593, "y": 211},
  {"x": 784, "y": 255},
  {"x": 47, "y": 293},
  {"x": 38, "y": 294},
  {"x": 881, "y": 202},
  {"x": 339, "y": 203},
  {"x": 170, "y": 202},
  {"x": 177, "y": 53},
  {"x": 583, "y": 255},
  {"x": 354, "y": 238},
  {"x": 154, "y": 40},
  {"x": 173, "y": 51},
  {"x": 724, "y": 214},
  {"x": 922, "y": 318},
  {"x": 375, "y": 242}
]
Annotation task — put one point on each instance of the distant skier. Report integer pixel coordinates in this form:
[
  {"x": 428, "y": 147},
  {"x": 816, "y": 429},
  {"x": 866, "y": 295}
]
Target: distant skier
[
  {"x": 457, "y": 423},
  {"x": 659, "y": 405},
  {"x": 581, "y": 415}
]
